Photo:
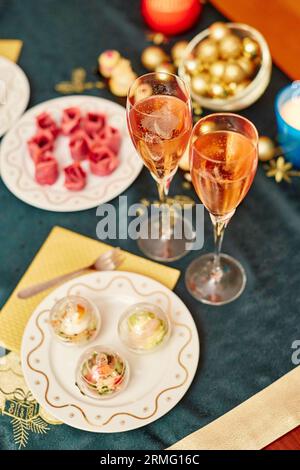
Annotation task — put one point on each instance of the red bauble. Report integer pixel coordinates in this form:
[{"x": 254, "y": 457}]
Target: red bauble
[{"x": 171, "y": 16}]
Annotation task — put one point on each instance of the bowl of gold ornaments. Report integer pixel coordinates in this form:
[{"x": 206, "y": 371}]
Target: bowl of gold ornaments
[{"x": 228, "y": 66}]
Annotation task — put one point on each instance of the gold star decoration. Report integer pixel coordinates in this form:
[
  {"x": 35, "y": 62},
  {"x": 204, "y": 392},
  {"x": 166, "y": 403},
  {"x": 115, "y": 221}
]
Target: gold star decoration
[
  {"x": 77, "y": 84},
  {"x": 280, "y": 170},
  {"x": 187, "y": 176},
  {"x": 186, "y": 185}
]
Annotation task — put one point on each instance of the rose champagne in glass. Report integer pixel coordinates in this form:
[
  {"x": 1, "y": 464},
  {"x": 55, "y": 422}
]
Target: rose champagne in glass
[
  {"x": 223, "y": 162},
  {"x": 160, "y": 122}
]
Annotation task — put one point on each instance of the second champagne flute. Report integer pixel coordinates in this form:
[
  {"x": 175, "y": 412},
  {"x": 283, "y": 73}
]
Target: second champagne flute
[
  {"x": 159, "y": 120},
  {"x": 223, "y": 162}
]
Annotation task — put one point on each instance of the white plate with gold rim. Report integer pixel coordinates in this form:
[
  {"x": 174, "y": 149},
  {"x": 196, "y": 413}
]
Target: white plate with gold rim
[
  {"x": 14, "y": 94},
  {"x": 158, "y": 380},
  {"x": 17, "y": 168}
]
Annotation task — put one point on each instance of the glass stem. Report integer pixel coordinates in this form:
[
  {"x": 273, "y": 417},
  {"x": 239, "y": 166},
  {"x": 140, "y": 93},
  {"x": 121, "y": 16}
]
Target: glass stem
[
  {"x": 219, "y": 229},
  {"x": 219, "y": 224},
  {"x": 163, "y": 190}
]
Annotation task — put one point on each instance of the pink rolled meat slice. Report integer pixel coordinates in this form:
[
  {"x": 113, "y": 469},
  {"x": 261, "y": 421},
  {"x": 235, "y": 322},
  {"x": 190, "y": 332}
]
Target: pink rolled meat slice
[
  {"x": 96, "y": 140},
  {"x": 46, "y": 169},
  {"x": 111, "y": 138},
  {"x": 79, "y": 145},
  {"x": 45, "y": 122},
  {"x": 75, "y": 177},
  {"x": 70, "y": 120},
  {"x": 40, "y": 143},
  {"x": 103, "y": 161},
  {"x": 94, "y": 123}
]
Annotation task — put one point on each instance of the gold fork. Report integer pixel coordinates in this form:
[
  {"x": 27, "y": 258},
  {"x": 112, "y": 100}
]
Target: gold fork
[{"x": 108, "y": 261}]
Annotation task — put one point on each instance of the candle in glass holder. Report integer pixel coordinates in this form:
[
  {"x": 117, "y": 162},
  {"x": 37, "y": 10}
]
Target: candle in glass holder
[
  {"x": 287, "y": 109},
  {"x": 290, "y": 112}
]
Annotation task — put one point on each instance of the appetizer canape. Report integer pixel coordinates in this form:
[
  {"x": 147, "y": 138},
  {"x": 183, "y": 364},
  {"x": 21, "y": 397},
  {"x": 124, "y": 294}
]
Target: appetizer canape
[
  {"x": 75, "y": 320},
  {"x": 101, "y": 372},
  {"x": 144, "y": 327}
]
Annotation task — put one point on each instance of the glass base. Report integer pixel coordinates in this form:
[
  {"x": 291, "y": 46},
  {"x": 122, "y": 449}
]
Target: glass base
[
  {"x": 168, "y": 247},
  {"x": 214, "y": 289}
]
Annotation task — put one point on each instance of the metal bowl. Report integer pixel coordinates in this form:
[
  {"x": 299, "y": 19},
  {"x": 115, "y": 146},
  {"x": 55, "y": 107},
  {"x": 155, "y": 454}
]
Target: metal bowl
[{"x": 248, "y": 95}]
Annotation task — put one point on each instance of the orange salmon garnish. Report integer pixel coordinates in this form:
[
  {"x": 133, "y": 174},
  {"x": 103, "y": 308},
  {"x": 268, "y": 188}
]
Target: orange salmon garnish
[
  {"x": 105, "y": 369},
  {"x": 80, "y": 309}
]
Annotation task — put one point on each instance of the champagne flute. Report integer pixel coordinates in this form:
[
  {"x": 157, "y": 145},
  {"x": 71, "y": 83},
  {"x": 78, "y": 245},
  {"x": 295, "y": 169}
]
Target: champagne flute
[
  {"x": 223, "y": 162},
  {"x": 159, "y": 119}
]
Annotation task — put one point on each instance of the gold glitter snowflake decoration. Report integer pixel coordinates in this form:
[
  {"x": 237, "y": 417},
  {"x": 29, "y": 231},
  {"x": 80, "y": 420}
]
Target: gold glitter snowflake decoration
[
  {"x": 281, "y": 170},
  {"x": 78, "y": 83}
]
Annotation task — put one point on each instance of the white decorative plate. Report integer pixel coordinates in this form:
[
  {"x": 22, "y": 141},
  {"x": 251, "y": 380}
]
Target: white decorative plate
[
  {"x": 157, "y": 381},
  {"x": 17, "y": 168},
  {"x": 14, "y": 93}
]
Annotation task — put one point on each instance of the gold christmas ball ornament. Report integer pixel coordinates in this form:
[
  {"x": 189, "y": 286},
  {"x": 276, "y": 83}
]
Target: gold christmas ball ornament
[
  {"x": 200, "y": 83},
  {"x": 230, "y": 47},
  {"x": 184, "y": 162},
  {"x": 233, "y": 73},
  {"x": 191, "y": 66},
  {"x": 107, "y": 61},
  {"x": 250, "y": 47},
  {"x": 247, "y": 65},
  {"x": 142, "y": 91},
  {"x": 177, "y": 52},
  {"x": 231, "y": 88},
  {"x": 165, "y": 67},
  {"x": 119, "y": 86},
  {"x": 152, "y": 57},
  {"x": 217, "y": 69},
  {"x": 204, "y": 66},
  {"x": 218, "y": 30},
  {"x": 217, "y": 91},
  {"x": 205, "y": 128},
  {"x": 266, "y": 148},
  {"x": 234, "y": 88},
  {"x": 207, "y": 50}
]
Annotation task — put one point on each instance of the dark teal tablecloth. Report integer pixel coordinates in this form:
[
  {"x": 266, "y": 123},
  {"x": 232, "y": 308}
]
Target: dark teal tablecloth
[{"x": 246, "y": 345}]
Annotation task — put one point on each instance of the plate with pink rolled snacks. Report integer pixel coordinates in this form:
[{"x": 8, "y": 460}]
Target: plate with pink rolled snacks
[
  {"x": 69, "y": 154},
  {"x": 14, "y": 94}
]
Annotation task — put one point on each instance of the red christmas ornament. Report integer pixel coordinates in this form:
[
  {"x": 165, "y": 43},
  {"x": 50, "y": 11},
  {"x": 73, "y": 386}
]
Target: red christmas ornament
[{"x": 171, "y": 16}]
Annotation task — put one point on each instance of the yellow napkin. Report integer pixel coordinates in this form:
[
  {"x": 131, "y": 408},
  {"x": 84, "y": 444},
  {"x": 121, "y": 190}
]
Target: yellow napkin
[
  {"x": 11, "y": 48},
  {"x": 62, "y": 252}
]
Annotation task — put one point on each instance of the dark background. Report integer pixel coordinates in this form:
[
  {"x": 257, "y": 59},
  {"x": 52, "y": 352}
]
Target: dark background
[{"x": 246, "y": 345}]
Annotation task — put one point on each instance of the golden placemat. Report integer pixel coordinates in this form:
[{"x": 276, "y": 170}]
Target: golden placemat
[
  {"x": 62, "y": 252},
  {"x": 255, "y": 423},
  {"x": 11, "y": 48}
]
